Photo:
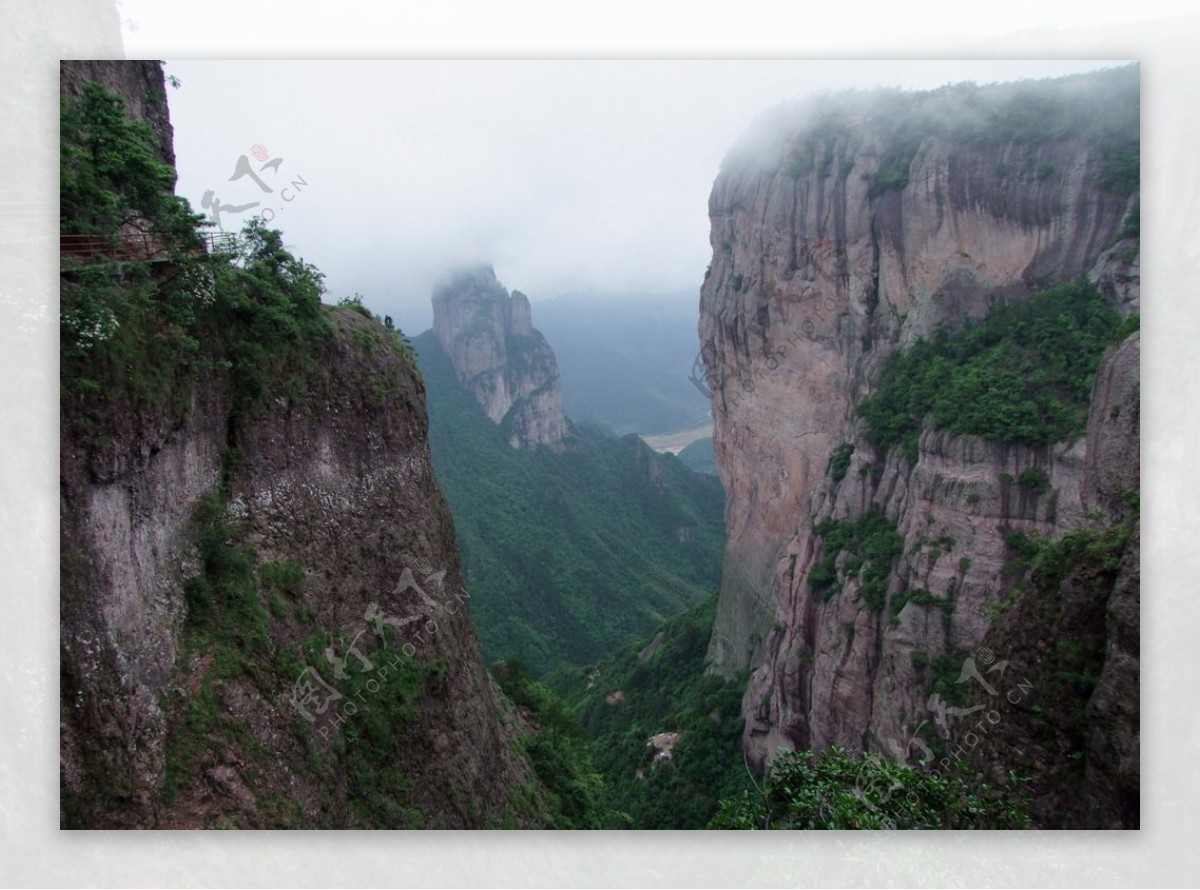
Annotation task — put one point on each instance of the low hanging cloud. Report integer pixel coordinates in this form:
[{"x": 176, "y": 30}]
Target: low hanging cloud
[{"x": 565, "y": 176}]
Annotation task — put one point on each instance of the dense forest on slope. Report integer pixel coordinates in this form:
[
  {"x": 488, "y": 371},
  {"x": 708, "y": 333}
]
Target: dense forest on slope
[
  {"x": 657, "y": 686},
  {"x": 650, "y": 739},
  {"x": 569, "y": 555},
  {"x": 1023, "y": 373}
]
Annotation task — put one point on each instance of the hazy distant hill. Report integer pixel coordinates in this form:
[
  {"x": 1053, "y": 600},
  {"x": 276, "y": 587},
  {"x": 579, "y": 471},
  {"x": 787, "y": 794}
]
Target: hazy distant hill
[
  {"x": 625, "y": 360},
  {"x": 700, "y": 456},
  {"x": 569, "y": 555}
]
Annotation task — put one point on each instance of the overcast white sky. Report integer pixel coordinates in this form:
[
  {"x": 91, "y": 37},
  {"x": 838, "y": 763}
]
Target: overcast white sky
[{"x": 565, "y": 175}]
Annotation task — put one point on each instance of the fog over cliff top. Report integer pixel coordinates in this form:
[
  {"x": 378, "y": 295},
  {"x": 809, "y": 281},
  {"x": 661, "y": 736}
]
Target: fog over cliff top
[{"x": 565, "y": 176}]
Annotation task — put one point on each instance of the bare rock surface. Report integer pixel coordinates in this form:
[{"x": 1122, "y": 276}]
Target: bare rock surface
[{"x": 502, "y": 360}]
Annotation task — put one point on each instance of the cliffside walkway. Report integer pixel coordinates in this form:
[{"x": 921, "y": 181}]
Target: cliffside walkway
[{"x": 136, "y": 246}]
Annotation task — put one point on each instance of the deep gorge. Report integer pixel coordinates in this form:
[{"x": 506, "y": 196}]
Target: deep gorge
[{"x": 919, "y": 329}]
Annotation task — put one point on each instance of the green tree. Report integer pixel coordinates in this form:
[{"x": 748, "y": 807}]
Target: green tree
[
  {"x": 557, "y": 750},
  {"x": 110, "y": 174},
  {"x": 1022, "y": 373},
  {"x": 838, "y": 791}
]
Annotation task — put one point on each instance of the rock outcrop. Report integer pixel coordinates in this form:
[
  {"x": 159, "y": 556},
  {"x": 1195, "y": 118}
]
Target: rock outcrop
[
  {"x": 842, "y": 233},
  {"x": 337, "y": 483},
  {"x": 138, "y": 82},
  {"x": 502, "y": 360},
  {"x": 1075, "y": 641}
]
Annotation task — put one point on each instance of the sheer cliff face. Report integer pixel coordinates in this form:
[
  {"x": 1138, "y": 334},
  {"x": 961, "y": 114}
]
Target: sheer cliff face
[
  {"x": 335, "y": 481},
  {"x": 1077, "y": 642},
  {"x": 502, "y": 360},
  {"x": 828, "y": 256},
  {"x": 230, "y": 568}
]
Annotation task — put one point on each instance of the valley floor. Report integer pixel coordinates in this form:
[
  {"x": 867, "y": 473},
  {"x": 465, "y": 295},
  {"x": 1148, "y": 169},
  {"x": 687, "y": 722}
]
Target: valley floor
[{"x": 673, "y": 443}]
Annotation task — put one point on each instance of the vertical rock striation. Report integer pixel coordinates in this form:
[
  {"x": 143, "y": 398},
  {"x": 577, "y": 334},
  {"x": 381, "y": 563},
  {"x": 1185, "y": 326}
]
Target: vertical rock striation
[
  {"x": 1076, "y": 639},
  {"x": 842, "y": 232},
  {"x": 502, "y": 360}
]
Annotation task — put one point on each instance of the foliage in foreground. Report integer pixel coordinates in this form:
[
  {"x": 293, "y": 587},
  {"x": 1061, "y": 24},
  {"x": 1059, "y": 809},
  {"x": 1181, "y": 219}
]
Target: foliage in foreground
[
  {"x": 136, "y": 331},
  {"x": 837, "y": 791}
]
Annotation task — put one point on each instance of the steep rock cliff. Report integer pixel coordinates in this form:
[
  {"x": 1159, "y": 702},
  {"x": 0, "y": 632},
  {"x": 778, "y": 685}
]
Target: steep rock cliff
[
  {"x": 334, "y": 484},
  {"x": 500, "y": 357},
  {"x": 263, "y": 622},
  {"x": 138, "y": 82},
  {"x": 1074, "y": 639},
  {"x": 843, "y": 232}
]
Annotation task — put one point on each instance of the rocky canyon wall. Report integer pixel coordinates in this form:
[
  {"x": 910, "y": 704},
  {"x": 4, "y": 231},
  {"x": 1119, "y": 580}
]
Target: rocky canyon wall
[
  {"x": 263, "y": 622},
  {"x": 842, "y": 232}
]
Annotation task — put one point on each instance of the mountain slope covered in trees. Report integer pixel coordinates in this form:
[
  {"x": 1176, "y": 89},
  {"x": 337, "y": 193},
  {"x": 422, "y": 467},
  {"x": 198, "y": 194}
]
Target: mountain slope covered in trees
[{"x": 568, "y": 555}]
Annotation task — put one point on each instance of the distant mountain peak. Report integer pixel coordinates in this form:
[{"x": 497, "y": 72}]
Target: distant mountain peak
[{"x": 500, "y": 357}]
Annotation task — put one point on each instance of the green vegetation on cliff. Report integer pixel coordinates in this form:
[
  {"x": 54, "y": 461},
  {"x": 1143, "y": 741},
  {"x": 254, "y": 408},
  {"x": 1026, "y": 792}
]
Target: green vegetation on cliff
[
  {"x": 1100, "y": 109},
  {"x": 558, "y": 751},
  {"x": 259, "y": 715},
  {"x": 110, "y": 175},
  {"x": 145, "y": 308},
  {"x": 230, "y": 645},
  {"x": 567, "y": 556},
  {"x": 1023, "y": 373},
  {"x": 839, "y": 461},
  {"x": 871, "y": 545},
  {"x": 1070, "y": 633}
]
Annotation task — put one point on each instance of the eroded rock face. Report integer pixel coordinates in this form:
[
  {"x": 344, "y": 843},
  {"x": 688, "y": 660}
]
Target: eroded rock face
[
  {"x": 340, "y": 484},
  {"x": 1113, "y": 465},
  {"x": 501, "y": 359},
  {"x": 820, "y": 272},
  {"x": 164, "y": 726},
  {"x": 839, "y": 672}
]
